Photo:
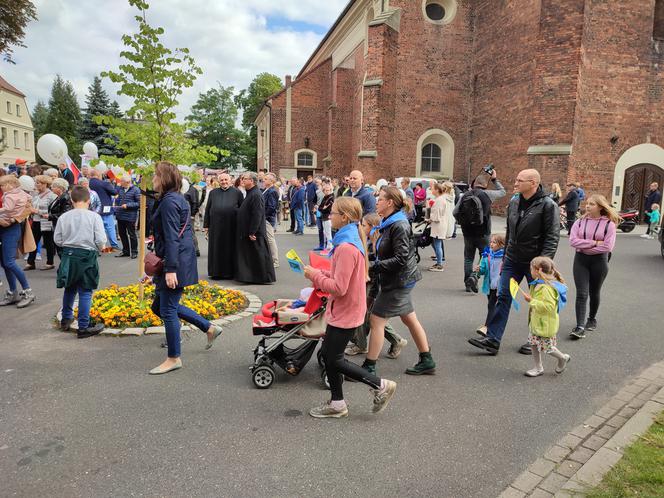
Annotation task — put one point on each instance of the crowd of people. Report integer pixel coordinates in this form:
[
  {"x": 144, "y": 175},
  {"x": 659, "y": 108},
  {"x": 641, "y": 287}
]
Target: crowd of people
[{"x": 366, "y": 231}]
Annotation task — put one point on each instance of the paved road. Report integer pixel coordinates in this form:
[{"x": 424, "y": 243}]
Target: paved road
[{"x": 83, "y": 418}]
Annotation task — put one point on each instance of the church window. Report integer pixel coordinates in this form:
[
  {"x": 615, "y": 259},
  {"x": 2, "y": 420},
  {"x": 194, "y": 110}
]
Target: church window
[
  {"x": 305, "y": 159},
  {"x": 435, "y": 11},
  {"x": 431, "y": 157},
  {"x": 439, "y": 11},
  {"x": 658, "y": 25}
]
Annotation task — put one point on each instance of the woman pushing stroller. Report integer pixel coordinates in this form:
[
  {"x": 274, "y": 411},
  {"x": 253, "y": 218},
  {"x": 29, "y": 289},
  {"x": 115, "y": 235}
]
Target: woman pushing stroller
[{"x": 346, "y": 284}]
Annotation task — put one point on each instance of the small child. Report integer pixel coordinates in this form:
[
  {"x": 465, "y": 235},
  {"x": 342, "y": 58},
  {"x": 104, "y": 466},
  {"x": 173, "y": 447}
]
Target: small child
[
  {"x": 490, "y": 267},
  {"x": 80, "y": 233},
  {"x": 548, "y": 296},
  {"x": 654, "y": 218}
]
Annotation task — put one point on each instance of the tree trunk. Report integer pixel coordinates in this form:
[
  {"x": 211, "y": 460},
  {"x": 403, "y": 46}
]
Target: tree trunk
[{"x": 141, "y": 239}]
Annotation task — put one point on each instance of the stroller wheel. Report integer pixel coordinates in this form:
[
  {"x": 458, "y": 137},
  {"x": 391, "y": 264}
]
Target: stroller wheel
[
  {"x": 417, "y": 256},
  {"x": 263, "y": 376},
  {"x": 319, "y": 357}
]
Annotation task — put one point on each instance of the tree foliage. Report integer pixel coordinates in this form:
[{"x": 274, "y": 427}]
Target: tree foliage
[
  {"x": 64, "y": 115},
  {"x": 14, "y": 17},
  {"x": 213, "y": 119},
  {"x": 98, "y": 104},
  {"x": 39, "y": 119},
  {"x": 252, "y": 99},
  {"x": 153, "y": 77}
]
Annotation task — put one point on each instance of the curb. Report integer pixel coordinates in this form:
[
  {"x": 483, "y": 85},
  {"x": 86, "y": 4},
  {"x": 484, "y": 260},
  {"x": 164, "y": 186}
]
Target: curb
[
  {"x": 580, "y": 459},
  {"x": 254, "y": 306}
]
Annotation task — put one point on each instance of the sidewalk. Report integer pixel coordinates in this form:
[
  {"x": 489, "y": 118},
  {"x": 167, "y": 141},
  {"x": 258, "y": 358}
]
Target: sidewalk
[{"x": 580, "y": 459}]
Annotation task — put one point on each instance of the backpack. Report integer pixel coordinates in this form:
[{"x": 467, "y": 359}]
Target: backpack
[{"x": 470, "y": 212}]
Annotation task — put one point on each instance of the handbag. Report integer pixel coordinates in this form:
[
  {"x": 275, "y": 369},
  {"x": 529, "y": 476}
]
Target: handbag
[
  {"x": 27, "y": 243},
  {"x": 153, "y": 265}
]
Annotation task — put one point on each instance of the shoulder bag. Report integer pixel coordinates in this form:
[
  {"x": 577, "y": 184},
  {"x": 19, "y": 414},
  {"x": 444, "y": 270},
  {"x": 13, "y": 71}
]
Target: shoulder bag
[{"x": 153, "y": 265}]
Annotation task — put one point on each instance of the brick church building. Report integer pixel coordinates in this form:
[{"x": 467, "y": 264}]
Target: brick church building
[{"x": 438, "y": 88}]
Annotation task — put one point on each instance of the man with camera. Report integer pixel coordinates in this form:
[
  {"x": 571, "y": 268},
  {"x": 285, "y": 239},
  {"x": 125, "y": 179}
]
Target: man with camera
[{"x": 473, "y": 213}]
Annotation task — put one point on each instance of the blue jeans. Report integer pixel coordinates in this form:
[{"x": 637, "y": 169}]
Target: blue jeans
[
  {"x": 9, "y": 237},
  {"x": 299, "y": 220},
  {"x": 439, "y": 250},
  {"x": 166, "y": 305},
  {"x": 497, "y": 322},
  {"x": 84, "y": 302},
  {"x": 321, "y": 234},
  {"x": 109, "y": 226}
]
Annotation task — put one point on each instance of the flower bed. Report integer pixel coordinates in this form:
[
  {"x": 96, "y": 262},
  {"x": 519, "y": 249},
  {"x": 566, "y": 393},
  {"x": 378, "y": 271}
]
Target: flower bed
[{"x": 119, "y": 307}]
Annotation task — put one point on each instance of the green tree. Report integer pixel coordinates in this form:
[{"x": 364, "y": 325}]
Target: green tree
[
  {"x": 251, "y": 101},
  {"x": 39, "y": 118},
  {"x": 98, "y": 104},
  {"x": 14, "y": 17},
  {"x": 213, "y": 119},
  {"x": 64, "y": 116},
  {"x": 153, "y": 77}
]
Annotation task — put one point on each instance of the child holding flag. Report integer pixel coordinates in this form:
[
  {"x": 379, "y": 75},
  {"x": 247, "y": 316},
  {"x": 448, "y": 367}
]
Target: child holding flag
[
  {"x": 548, "y": 296},
  {"x": 346, "y": 284},
  {"x": 490, "y": 267}
]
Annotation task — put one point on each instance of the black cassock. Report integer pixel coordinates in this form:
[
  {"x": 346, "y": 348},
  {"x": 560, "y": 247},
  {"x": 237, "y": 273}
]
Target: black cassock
[
  {"x": 254, "y": 262},
  {"x": 220, "y": 220}
]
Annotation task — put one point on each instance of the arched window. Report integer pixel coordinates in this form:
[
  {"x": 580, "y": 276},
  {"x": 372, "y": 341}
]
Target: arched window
[
  {"x": 435, "y": 154},
  {"x": 658, "y": 23},
  {"x": 305, "y": 159},
  {"x": 431, "y": 155}
]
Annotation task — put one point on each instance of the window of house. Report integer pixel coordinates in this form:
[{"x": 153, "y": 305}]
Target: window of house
[
  {"x": 431, "y": 158},
  {"x": 658, "y": 25},
  {"x": 26, "y": 140},
  {"x": 4, "y": 136},
  {"x": 18, "y": 110},
  {"x": 305, "y": 159},
  {"x": 9, "y": 107},
  {"x": 435, "y": 11},
  {"x": 16, "y": 139}
]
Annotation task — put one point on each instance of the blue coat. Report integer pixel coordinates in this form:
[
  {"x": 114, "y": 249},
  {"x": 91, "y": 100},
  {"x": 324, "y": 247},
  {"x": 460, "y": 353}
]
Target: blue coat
[
  {"x": 131, "y": 197},
  {"x": 271, "y": 200},
  {"x": 178, "y": 253},
  {"x": 366, "y": 197},
  {"x": 105, "y": 190},
  {"x": 297, "y": 201},
  {"x": 311, "y": 191}
]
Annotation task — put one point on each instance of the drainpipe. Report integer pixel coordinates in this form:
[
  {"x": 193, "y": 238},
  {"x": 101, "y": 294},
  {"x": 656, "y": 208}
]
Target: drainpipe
[{"x": 269, "y": 150}]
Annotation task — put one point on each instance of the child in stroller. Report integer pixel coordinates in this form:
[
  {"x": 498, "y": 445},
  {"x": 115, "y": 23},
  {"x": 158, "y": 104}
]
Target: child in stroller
[{"x": 300, "y": 322}]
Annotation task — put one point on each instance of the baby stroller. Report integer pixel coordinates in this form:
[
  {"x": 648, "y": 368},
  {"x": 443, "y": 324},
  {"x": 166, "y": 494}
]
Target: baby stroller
[
  {"x": 422, "y": 238},
  {"x": 301, "y": 328}
]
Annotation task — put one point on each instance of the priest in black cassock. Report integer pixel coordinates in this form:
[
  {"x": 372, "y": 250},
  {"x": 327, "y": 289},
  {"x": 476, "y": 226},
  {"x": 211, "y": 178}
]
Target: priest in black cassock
[
  {"x": 220, "y": 224},
  {"x": 254, "y": 262}
]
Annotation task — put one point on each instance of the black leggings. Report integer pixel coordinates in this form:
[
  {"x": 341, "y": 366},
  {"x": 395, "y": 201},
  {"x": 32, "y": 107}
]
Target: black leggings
[
  {"x": 336, "y": 364},
  {"x": 589, "y": 274}
]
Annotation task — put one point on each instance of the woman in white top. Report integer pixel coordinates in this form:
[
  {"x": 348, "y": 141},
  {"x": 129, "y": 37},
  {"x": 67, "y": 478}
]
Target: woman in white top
[{"x": 442, "y": 221}]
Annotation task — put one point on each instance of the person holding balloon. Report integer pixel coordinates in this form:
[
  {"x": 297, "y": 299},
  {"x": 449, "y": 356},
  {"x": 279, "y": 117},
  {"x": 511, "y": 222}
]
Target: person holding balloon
[{"x": 106, "y": 191}]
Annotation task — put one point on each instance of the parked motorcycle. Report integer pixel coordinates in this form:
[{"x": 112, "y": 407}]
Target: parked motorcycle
[{"x": 629, "y": 218}]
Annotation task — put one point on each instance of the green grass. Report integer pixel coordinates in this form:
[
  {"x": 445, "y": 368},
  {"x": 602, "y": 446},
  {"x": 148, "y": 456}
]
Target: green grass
[{"x": 641, "y": 470}]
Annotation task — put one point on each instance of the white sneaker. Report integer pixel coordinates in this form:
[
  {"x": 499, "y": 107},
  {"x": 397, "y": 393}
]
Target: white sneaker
[
  {"x": 39, "y": 256},
  {"x": 395, "y": 349},
  {"x": 354, "y": 349},
  {"x": 562, "y": 363},
  {"x": 645, "y": 236},
  {"x": 534, "y": 372}
]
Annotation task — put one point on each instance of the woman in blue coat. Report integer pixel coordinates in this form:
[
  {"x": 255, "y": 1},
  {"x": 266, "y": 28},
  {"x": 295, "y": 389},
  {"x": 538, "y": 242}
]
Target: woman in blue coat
[{"x": 174, "y": 244}]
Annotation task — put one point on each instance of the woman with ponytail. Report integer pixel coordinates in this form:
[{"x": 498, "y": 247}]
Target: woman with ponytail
[{"x": 346, "y": 284}]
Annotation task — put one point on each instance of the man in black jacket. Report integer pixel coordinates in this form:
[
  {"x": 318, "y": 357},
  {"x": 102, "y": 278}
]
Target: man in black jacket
[
  {"x": 533, "y": 229},
  {"x": 572, "y": 201}
]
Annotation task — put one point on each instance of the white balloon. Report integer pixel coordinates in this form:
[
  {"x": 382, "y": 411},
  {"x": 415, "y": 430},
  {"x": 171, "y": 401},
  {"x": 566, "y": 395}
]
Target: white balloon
[
  {"x": 52, "y": 149},
  {"x": 90, "y": 150},
  {"x": 185, "y": 186}
]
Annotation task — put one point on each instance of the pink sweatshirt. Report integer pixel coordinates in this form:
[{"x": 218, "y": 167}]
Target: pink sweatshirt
[
  {"x": 587, "y": 230},
  {"x": 14, "y": 203},
  {"x": 346, "y": 283}
]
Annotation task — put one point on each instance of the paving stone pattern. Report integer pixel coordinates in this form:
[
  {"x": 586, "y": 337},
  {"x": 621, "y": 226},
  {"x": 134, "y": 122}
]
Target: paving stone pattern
[{"x": 582, "y": 457}]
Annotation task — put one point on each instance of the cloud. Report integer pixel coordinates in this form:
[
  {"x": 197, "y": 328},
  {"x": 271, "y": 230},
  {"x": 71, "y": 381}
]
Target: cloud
[{"x": 232, "y": 41}]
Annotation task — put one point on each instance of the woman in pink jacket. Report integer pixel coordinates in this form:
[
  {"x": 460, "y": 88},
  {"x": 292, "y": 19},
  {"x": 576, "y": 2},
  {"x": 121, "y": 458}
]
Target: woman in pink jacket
[
  {"x": 12, "y": 213},
  {"x": 593, "y": 236},
  {"x": 346, "y": 284}
]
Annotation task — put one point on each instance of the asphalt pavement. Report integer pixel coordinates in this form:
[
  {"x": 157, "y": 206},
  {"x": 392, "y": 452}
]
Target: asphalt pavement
[{"x": 83, "y": 417}]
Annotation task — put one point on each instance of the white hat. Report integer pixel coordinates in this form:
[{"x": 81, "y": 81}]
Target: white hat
[{"x": 27, "y": 183}]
